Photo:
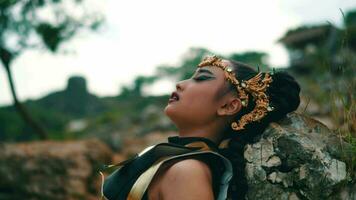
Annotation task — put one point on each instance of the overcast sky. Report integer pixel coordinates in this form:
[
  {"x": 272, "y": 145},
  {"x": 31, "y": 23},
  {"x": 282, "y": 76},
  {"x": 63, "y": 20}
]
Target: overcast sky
[{"x": 140, "y": 35}]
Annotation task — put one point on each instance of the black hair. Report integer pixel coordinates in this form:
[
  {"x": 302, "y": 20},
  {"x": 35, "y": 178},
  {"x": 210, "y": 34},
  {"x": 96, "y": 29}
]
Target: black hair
[{"x": 283, "y": 94}]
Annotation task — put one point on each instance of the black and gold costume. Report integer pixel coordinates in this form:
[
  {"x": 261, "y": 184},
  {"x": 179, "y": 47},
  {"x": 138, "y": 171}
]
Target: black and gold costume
[{"x": 131, "y": 180}]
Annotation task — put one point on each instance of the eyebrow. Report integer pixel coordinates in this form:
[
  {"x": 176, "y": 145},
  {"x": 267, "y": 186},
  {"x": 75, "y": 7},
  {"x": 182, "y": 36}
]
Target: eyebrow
[{"x": 204, "y": 70}]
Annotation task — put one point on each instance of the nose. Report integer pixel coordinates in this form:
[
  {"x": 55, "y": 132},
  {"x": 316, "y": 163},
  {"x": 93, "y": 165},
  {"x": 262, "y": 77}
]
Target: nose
[{"x": 179, "y": 85}]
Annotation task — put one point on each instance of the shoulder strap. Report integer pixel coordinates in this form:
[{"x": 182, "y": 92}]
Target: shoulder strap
[{"x": 142, "y": 183}]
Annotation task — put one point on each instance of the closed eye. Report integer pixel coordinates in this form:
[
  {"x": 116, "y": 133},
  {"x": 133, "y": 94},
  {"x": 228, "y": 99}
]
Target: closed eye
[{"x": 201, "y": 78}]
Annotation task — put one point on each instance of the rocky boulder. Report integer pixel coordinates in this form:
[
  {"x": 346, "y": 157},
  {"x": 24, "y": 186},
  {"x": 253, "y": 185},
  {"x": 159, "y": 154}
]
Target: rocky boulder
[
  {"x": 299, "y": 158},
  {"x": 52, "y": 170}
]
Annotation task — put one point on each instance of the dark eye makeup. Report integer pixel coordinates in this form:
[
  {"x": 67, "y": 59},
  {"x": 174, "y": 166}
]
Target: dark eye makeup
[
  {"x": 201, "y": 78},
  {"x": 197, "y": 76}
]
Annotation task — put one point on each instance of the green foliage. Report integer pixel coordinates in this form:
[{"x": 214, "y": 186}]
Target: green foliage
[
  {"x": 22, "y": 21},
  {"x": 352, "y": 140},
  {"x": 55, "y": 111},
  {"x": 350, "y": 18},
  {"x": 351, "y": 36},
  {"x": 187, "y": 67},
  {"x": 11, "y": 125},
  {"x": 253, "y": 58},
  {"x": 23, "y": 25},
  {"x": 50, "y": 35},
  {"x": 136, "y": 89},
  {"x": 140, "y": 81}
]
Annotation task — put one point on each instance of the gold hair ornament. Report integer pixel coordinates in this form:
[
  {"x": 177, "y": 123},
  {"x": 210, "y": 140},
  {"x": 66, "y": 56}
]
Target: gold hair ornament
[{"x": 256, "y": 86}]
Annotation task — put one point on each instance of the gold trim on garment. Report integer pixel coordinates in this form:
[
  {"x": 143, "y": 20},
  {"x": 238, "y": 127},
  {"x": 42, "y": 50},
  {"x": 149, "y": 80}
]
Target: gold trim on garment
[{"x": 139, "y": 188}]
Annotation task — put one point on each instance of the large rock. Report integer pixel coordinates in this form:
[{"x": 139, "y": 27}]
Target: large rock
[
  {"x": 299, "y": 158},
  {"x": 52, "y": 170}
]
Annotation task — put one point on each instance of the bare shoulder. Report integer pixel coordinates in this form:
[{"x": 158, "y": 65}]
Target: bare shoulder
[
  {"x": 186, "y": 179},
  {"x": 189, "y": 168}
]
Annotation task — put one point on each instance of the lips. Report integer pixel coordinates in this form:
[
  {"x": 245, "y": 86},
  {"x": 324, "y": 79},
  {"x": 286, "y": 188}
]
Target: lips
[{"x": 174, "y": 97}]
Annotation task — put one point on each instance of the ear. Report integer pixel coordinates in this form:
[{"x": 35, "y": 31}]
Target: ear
[{"x": 230, "y": 107}]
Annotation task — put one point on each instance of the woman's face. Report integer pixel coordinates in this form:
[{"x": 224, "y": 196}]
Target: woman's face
[{"x": 199, "y": 98}]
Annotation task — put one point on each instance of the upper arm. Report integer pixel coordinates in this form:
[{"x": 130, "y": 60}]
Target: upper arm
[{"x": 188, "y": 179}]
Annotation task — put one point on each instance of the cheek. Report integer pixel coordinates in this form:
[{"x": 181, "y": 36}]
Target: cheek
[
  {"x": 200, "y": 104},
  {"x": 197, "y": 105}
]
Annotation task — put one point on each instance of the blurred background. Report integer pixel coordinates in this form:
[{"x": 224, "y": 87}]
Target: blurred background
[{"x": 86, "y": 81}]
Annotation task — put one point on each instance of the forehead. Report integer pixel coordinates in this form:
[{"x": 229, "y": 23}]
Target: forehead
[{"x": 214, "y": 69}]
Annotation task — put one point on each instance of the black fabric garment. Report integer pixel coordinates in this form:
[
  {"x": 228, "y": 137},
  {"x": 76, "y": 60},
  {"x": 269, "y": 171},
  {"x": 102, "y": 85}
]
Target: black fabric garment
[
  {"x": 118, "y": 185},
  {"x": 216, "y": 167},
  {"x": 186, "y": 140}
]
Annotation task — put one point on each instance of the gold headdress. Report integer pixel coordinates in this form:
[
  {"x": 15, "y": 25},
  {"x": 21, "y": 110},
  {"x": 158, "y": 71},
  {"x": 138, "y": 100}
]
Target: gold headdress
[{"x": 256, "y": 86}]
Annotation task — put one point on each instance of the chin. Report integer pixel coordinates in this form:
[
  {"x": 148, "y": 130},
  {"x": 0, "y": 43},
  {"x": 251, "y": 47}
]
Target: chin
[
  {"x": 171, "y": 113},
  {"x": 167, "y": 111}
]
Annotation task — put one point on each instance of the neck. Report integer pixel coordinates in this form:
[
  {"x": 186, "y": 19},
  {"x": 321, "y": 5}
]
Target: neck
[{"x": 210, "y": 132}]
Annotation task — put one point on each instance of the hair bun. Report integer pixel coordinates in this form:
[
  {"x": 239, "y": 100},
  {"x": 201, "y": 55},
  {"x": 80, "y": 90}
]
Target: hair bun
[{"x": 284, "y": 94}]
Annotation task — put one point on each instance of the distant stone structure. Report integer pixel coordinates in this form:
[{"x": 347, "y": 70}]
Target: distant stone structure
[
  {"x": 75, "y": 100},
  {"x": 306, "y": 45},
  {"x": 77, "y": 84}
]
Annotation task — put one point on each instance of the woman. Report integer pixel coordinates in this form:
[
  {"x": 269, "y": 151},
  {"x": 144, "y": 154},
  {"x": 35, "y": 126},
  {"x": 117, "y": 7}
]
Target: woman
[{"x": 224, "y": 106}]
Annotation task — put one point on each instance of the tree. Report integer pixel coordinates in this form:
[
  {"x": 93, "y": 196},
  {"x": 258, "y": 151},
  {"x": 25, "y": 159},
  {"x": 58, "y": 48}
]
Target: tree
[
  {"x": 253, "y": 58},
  {"x": 350, "y": 28},
  {"x": 30, "y": 24},
  {"x": 137, "y": 86}
]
